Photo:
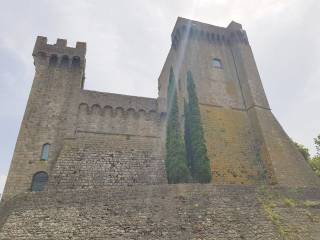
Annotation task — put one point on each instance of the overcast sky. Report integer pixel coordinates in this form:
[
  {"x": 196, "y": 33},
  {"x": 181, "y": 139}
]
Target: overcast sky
[{"x": 128, "y": 40}]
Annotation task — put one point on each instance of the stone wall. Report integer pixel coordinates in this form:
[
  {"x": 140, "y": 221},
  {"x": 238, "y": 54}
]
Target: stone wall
[
  {"x": 117, "y": 100},
  {"x": 98, "y": 159},
  {"x": 231, "y": 146},
  {"x": 288, "y": 165},
  {"x": 118, "y": 141},
  {"x": 119, "y": 120},
  {"x": 164, "y": 212}
]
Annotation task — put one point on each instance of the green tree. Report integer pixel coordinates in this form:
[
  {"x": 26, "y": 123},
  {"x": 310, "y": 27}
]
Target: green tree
[
  {"x": 196, "y": 148},
  {"x": 315, "y": 161},
  {"x": 187, "y": 135},
  {"x": 315, "y": 164},
  {"x": 303, "y": 150},
  {"x": 317, "y": 143},
  {"x": 176, "y": 161}
]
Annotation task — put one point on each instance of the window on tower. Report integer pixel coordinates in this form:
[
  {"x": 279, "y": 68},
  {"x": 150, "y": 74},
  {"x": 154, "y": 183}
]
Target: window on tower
[
  {"x": 45, "y": 152},
  {"x": 216, "y": 63},
  {"x": 75, "y": 62},
  {"x": 65, "y": 61},
  {"x": 53, "y": 60},
  {"x": 39, "y": 181}
]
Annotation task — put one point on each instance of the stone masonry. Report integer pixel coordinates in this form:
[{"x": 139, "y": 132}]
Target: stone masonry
[
  {"x": 103, "y": 168},
  {"x": 164, "y": 212}
]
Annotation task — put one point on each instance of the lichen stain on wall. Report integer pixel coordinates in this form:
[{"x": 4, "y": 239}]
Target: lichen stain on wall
[{"x": 230, "y": 145}]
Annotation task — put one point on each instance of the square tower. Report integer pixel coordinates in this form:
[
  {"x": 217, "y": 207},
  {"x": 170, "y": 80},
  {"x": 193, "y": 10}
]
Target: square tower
[{"x": 245, "y": 143}]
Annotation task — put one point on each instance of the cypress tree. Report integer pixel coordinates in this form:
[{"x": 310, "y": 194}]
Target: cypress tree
[
  {"x": 197, "y": 150},
  {"x": 187, "y": 135},
  {"x": 176, "y": 161}
]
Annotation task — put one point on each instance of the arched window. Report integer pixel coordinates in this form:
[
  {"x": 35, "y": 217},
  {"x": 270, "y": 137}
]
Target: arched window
[
  {"x": 216, "y": 63},
  {"x": 45, "y": 152},
  {"x": 65, "y": 61},
  {"x": 39, "y": 181},
  {"x": 53, "y": 60},
  {"x": 75, "y": 62}
]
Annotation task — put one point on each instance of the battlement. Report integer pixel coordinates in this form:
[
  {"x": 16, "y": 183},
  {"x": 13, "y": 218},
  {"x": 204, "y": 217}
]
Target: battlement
[
  {"x": 109, "y": 111},
  {"x": 118, "y": 100},
  {"x": 108, "y": 119},
  {"x": 59, "y": 53},
  {"x": 194, "y": 30}
]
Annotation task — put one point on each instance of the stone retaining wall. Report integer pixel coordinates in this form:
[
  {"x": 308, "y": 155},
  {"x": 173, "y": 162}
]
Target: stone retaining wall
[{"x": 191, "y": 211}]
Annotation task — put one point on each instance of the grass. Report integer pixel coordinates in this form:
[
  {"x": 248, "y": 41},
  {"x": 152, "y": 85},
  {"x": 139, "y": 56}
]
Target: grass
[
  {"x": 290, "y": 202},
  {"x": 275, "y": 203},
  {"x": 311, "y": 204}
]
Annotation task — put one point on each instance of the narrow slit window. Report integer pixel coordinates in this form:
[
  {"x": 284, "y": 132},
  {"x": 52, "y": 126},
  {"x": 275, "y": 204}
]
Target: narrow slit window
[
  {"x": 216, "y": 63},
  {"x": 45, "y": 152}
]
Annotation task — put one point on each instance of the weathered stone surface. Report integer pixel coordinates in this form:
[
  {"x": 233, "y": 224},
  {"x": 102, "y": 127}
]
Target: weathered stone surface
[
  {"x": 163, "y": 212},
  {"x": 90, "y": 161}
]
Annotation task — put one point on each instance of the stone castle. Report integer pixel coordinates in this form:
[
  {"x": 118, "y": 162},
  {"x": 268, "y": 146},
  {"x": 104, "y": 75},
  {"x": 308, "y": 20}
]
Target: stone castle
[{"x": 74, "y": 141}]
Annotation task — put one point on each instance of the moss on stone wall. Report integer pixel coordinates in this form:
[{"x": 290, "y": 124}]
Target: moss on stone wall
[
  {"x": 291, "y": 212},
  {"x": 230, "y": 145}
]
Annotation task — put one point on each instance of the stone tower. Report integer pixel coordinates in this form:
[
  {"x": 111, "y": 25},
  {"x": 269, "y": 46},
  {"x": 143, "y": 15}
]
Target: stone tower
[
  {"x": 245, "y": 143},
  {"x": 59, "y": 76}
]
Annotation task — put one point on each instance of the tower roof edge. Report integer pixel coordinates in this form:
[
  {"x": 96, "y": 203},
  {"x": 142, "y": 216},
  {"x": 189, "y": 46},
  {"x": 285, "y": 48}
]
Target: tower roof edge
[{"x": 60, "y": 47}]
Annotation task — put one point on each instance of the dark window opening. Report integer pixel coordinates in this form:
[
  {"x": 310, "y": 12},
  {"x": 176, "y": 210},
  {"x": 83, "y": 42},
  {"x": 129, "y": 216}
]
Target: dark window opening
[
  {"x": 75, "y": 62},
  {"x": 53, "y": 60},
  {"x": 39, "y": 181},
  {"x": 45, "y": 152},
  {"x": 65, "y": 61},
  {"x": 216, "y": 63}
]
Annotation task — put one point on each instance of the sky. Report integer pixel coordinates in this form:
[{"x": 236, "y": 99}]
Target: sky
[{"x": 128, "y": 41}]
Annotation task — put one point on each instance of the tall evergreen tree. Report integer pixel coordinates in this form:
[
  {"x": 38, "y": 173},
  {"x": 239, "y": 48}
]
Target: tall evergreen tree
[
  {"x": 176, "y": 161},
  {"x": 197, "y": 150},
  {"x": 187, "y": 135}
]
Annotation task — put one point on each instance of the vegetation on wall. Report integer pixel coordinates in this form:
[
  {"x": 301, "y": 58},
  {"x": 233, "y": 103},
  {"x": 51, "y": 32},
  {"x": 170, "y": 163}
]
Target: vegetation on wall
[
  {"x": 176, "y": 161},
  {"x": 196, "y": 149},
  {"x": 303, "y": 150},
  {"x": 315, "y": 161}
]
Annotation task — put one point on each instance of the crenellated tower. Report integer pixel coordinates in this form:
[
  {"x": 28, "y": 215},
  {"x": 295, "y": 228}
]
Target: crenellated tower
[
  {"x": 245, "y": 143},
  {"x": 50, "y": 113}
]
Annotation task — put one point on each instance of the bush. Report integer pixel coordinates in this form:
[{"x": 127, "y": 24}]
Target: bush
[
  {"x": 317, "y": 143},
  {"x": 315, "y": 164}
]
